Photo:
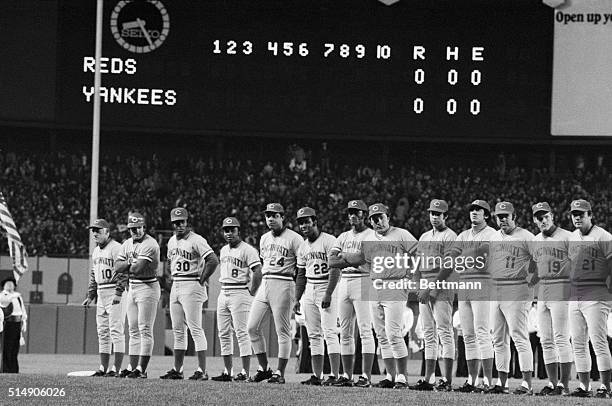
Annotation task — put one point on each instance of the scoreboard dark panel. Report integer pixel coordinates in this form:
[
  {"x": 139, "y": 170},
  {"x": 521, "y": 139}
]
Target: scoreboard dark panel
[
  {"x": 349, "y": 68},
  {"x": 28, "y": 60}
]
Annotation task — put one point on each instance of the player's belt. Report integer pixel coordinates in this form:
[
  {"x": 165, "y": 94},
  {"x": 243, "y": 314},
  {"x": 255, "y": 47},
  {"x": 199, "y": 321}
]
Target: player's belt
[
  {"x": 475, "y": 275},
  {"x": 142, "y": 281},
  {"x": 354, "y": 274},
  {"x": 588, "y": 282},
  {"x": 109, "y": 285},
  {"x": 318, "y": 280},
  {"x": 509, "y": 281},
  {"x": 234, "y": 285},
  {"x": 180, "y": 278},
  {"x": 277, "y": 275},
  {"x": 547, "y": 280}
]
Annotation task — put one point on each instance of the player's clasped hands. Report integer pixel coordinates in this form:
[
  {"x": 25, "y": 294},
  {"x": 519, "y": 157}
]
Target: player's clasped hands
[{"x": 116, "y": 299}]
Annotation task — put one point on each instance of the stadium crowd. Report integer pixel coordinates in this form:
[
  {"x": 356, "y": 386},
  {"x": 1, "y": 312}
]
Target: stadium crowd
[{"x": 48, "y": 193}]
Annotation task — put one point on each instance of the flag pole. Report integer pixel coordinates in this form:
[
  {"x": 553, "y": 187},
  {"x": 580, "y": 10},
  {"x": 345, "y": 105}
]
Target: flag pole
[{"x": 95, "y": 147}]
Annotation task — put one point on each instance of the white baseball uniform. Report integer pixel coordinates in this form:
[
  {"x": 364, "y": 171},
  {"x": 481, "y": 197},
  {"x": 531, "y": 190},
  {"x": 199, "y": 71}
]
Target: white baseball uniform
[
  {"x": 351, "y": 289},
  {"x": 550, "y": 253},
  {"x": 234, "y": 300},
  {"x": 277, "y": 290},
  {"x": 437, "y": 320},
  {"x": 103, "y": 280},
  {"x": 144, "y": 293},
  {"x": 509, "y": 262},
  {"x": 320, "y": 323},
  {"x": 590, "y": 300},
  {"x": 388, "y": 305},
  {"x": 474, "y": 306},
  {"x": 187, "y": 256}
]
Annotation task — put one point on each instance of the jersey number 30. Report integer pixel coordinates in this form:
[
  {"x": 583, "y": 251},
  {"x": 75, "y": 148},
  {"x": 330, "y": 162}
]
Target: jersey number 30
[{"x": 182, "y": 266}]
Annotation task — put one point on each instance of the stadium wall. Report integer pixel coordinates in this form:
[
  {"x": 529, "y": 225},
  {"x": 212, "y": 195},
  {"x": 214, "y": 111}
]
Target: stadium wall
[{"x": 61, "y": 325}]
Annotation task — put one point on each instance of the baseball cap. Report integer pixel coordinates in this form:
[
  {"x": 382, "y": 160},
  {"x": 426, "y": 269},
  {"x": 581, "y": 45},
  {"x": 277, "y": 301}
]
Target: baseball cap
[
  {"x": 306, "y": 212},
  {"x": 580, "y": 205},
  {"x": 541, "y": 207},
  {"x": 99, "y": 223},
  {"x": 480, "y": 203},
  {"x": 274, "y": 208},
  {"x": 179, "y": 213},
  {"x": 231, "y": 222},
  {"x": 504, "y": 208},
  {"x": 438, "y": 205},
  {"x": 135, "y": 220},
  {"x": 357, "y": 205},
  {"x": 377, "y": 208}
]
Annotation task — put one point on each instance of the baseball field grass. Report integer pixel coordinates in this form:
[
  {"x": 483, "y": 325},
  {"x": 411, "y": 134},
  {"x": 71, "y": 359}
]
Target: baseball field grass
[{"x": 49, "y": 371}]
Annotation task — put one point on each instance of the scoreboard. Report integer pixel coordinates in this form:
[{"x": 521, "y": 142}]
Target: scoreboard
[{"x": 427, "y": 69}]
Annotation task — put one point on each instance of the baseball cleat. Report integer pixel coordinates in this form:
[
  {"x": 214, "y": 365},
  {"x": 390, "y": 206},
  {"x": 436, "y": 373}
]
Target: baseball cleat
[
  {"x": 276, "y": 378},
  {"x": 198, "y": 376},
  {"x": 99, "y": 372},
  {"x": 137, "y": 374},
  {"x": 313, "y": 381},
  {"x": 521, "y": 390},
  {"x": 400, "y": 385},
  {"x": 548, "y": 390},
  {"x": 443, "y": 386},
  {"x": 466, "y": 388},
  {"x": 385, "y": 384},
  {"x": 602, "y": 393},
  {"x": 497, "y": 390},
  {"x": 224, "y": 377},
  {"x": 344, "y": 381},
  {"x": 110, "y": 374},
  {"x": 482, "y": 388},
  {"x": 329, "y": 381},
  {"x": 363, "y": 382},
  {"x": 581, "y": 393},
  {"x": 241, "y": 377},
  {"x": 124, "y": 373},
  {"x": 422, "y": 385},
  {"x": 261, "y": 375},
  {"x": 172, "y": 374}
]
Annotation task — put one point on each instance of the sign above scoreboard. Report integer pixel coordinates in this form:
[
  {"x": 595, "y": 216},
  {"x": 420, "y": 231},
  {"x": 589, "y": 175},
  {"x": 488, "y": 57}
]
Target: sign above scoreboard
[{"x": 349, "y": 68}]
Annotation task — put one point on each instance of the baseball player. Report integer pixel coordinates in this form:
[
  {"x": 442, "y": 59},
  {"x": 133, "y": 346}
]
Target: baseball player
[
  {"x": 315, "y": 284},
  {"x": 436, "y": 306},
  {"x": 474, "y": 308},
  {"x": 104, "y": 285},
  {"x": 387, "y": 304},
  {"x": 238, "y": 261},
  {"x": 278, "y": 249},
  {"x": 550, "y": 251},
  {"x": 510, "y": 263},
  {"x": 139, "y": 260},
  {"x": 590, "y": 255},
  {"x": 191, "y": 262},
  {"x": 351, "y": 303}
]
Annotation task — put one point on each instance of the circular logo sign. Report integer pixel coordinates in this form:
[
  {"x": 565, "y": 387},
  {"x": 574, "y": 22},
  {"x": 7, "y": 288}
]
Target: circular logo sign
[{"x": 140, "y": 26}]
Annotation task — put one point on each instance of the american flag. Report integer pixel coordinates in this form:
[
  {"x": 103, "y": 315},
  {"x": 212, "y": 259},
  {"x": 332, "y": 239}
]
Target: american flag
[{"x": 16, "y": 247}]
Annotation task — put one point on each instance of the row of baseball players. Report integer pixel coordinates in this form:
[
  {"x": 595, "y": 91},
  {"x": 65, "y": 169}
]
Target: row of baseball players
[{"x": 326, "y": 275}]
